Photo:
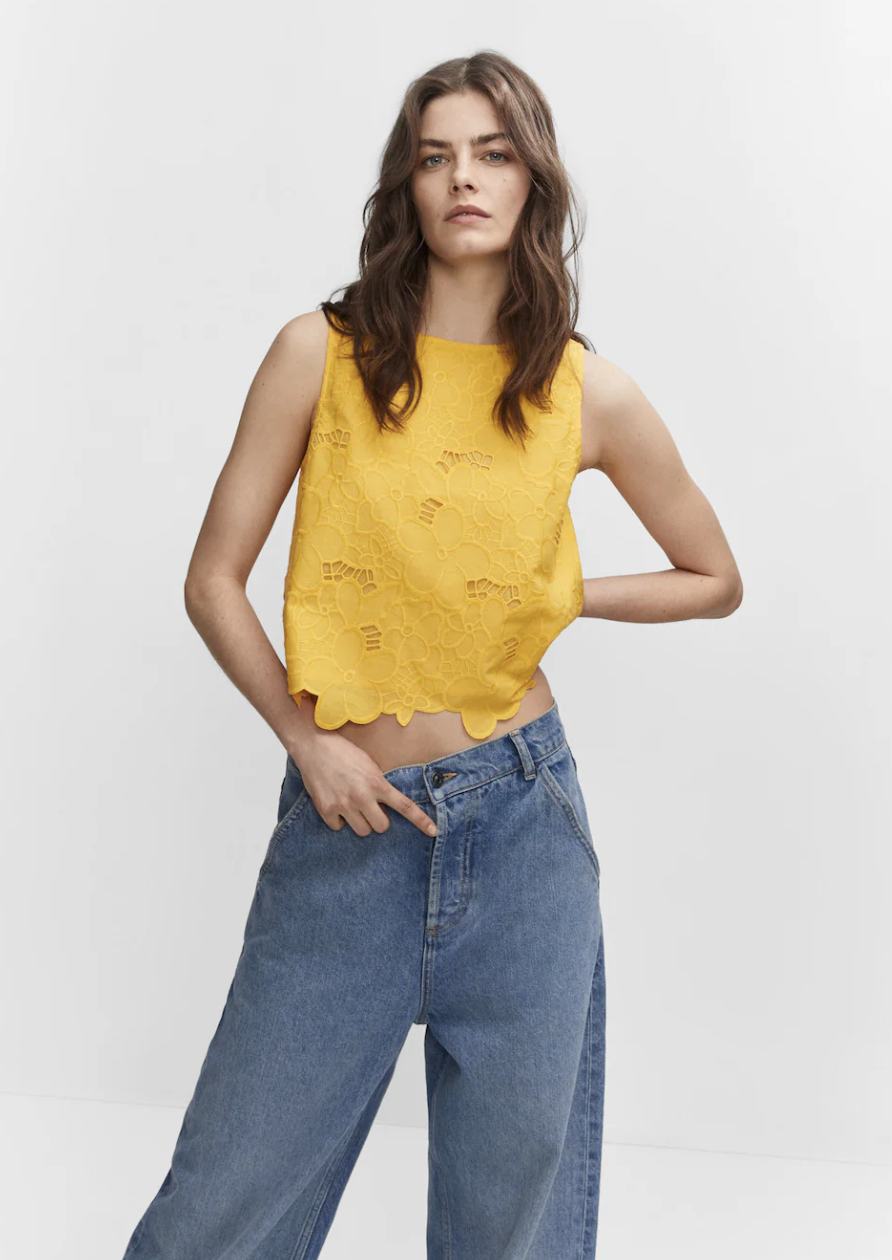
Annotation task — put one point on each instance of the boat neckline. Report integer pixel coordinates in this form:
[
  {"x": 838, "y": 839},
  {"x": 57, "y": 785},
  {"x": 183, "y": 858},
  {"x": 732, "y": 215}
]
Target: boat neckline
[{"x": 473, "y": 345}]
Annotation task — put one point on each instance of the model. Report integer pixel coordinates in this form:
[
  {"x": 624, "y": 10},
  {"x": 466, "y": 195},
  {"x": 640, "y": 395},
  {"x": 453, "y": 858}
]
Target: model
[{"x": 432, "y": 860}]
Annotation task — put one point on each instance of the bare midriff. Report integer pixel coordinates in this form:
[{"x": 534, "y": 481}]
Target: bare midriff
[{"x": 429, "y": 736}]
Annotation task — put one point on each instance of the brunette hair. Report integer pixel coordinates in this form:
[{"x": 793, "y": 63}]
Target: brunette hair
[{"x": 382, "y": 310}]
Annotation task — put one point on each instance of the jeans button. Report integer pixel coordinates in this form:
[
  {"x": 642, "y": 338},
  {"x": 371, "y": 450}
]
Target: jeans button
[{"x": 437, "y": 779}]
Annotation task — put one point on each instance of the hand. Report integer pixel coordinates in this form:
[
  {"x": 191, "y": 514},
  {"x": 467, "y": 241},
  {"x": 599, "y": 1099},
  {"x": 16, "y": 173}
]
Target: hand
[{"x": 346, "y": 784}]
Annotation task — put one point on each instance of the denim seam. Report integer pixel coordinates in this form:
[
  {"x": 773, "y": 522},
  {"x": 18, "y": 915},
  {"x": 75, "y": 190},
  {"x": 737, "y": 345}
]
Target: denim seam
[
  {"x": 280, "y": 829},
  {"x": 306, "y": 1234},
  {"x": 444, "y": 1207},
  {"x": 427, "y": 967},
  {"x": 588, "y": 1132},
  {"x": 465, "y": 875},
  {"x": 566, "y": 805},
  {"x": 501, "y": 775},
  {"x": 428, "y": 951},
  {"x": 138, "y": 1236}
]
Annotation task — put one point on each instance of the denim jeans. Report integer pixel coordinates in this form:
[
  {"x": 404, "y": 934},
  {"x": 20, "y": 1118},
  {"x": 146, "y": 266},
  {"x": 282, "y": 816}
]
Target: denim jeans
[{"x": 489, "y": 934}]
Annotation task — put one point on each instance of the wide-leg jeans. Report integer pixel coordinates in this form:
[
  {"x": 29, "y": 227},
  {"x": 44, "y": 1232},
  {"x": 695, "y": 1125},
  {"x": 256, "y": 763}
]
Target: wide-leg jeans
[{"x": 490, "y": 935}]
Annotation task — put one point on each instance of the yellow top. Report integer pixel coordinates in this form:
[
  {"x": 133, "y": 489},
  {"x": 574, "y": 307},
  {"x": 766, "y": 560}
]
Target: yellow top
[{"x": 431, "y": 569}]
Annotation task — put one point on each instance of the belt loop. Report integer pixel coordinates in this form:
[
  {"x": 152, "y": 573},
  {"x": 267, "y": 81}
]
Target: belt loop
[{"x": 529, "y": 766}]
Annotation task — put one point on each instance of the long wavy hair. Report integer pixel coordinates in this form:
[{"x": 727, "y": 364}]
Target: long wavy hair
[{"x": 383, "y": 309}]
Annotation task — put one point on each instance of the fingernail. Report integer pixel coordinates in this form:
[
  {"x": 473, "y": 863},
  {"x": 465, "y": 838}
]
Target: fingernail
[{"x": 432, "y": 829}]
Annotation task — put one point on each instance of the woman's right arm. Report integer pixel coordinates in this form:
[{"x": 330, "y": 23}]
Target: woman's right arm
[
  {"x": 260, "y": 469},
  {"x": 266, "y": 454}
]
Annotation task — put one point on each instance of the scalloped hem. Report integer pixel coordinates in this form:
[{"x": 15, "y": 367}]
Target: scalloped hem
[{"x": 297, "y": 697}]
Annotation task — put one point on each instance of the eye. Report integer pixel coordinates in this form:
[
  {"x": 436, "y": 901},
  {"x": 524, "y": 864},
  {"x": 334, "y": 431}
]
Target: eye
[{"x": 493, "y": 153}]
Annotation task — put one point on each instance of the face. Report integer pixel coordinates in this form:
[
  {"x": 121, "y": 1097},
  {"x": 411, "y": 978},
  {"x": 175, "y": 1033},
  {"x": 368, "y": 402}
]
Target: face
[{"x": 464, "y": 167}]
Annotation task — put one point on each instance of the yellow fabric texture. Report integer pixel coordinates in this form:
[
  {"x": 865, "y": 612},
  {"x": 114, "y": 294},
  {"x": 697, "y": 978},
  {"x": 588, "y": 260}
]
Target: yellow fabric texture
[{"x": 431, "y": 569}]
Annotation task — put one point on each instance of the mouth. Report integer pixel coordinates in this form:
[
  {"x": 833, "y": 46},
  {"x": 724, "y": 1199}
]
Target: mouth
[{"x": 466, "y": 214}]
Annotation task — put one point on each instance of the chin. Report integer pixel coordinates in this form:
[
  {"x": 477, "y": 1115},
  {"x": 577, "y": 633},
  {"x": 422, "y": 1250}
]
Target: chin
[{"x": 470, "y": 248}]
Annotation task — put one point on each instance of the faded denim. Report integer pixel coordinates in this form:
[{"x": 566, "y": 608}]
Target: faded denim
[{"x": 489, "y": 934}]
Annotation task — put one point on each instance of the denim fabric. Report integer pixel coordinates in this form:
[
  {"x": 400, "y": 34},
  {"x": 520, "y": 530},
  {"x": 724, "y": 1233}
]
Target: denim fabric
[{"x": 489, "y": 934}]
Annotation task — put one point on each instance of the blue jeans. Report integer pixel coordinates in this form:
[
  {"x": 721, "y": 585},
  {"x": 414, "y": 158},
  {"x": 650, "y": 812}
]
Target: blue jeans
[{"x": 490, "y": 934}]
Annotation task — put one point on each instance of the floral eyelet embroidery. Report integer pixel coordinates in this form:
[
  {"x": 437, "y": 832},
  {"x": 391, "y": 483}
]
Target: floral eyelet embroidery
[{"x": 430, "y": 570}]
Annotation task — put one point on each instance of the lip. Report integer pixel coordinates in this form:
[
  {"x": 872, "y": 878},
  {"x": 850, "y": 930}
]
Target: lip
[{"x": 466, "y": 214}]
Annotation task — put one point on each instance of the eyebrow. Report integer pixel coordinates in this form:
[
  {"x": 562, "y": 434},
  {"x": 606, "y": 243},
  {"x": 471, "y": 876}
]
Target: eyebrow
[{"x": 475, "y": 140}]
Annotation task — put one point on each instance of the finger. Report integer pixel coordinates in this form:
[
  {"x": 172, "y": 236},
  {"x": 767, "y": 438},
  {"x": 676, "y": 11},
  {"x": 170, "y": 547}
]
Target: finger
[
  {"x": 403, "y": 805},
  {"x": 358, "y": 821},
  {"x": 333, "y": 821},
  {"x": 349, "y": 816},
  {"x": 376, "y": 816}
]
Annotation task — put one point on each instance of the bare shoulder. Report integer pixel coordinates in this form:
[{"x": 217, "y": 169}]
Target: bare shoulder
[
  {"x": 608, "y": 394},
  {"x": 267, "y": 451},
  {"x": 310, "y": 327},
  {"x": 302, "y": 344},
  {"x": 277, "y": 418}
]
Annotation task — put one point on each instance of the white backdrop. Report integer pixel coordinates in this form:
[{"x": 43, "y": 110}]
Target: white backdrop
[{"x": 180, "y": 180}]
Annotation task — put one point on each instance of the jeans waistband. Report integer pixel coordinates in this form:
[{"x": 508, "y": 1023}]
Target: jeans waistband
[{"x": 519, "y": 749}]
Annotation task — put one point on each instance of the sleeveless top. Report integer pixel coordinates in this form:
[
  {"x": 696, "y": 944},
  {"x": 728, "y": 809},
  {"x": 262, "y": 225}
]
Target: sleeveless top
[{"x": 430, "y": 569}]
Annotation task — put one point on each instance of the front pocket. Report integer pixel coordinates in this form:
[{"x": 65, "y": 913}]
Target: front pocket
[
  {"x": 282, "y": 826},
  {"x": 559, "y": 776}
]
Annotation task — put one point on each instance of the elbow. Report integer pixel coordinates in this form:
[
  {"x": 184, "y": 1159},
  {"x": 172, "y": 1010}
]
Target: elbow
[
  {"x": 201, "y": 589},
  {"x": 196, "y": 593},
  {"x": 192, "y": 587},
  {"x": 190, "y": 598},
  {"x": 732, "y": 599}
]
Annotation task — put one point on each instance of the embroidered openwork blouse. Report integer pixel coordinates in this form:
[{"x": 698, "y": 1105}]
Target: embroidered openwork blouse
[{"x": 431, "y": 569}]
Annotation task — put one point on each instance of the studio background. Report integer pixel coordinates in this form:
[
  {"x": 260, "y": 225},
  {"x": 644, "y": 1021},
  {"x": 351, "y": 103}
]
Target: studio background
[{"x": 180, "y": 182}]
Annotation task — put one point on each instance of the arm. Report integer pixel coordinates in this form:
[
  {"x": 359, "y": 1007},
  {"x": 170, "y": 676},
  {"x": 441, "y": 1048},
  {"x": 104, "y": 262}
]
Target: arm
[
  {"x": 625, "y": 438},
  {"x": 344, "y": 783},
  {"x": 266, "y": 454}
]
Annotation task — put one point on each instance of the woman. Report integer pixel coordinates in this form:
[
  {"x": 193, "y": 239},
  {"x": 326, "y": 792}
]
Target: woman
[{"x": 432, "y": 861}]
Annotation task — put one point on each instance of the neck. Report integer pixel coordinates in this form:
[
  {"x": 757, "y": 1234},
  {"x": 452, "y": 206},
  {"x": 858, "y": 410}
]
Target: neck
[{"x": 462, "y": 299}]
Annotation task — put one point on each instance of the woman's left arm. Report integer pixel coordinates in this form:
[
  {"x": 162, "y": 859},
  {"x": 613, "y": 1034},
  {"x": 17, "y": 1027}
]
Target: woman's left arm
[{"x": 625, "y": 438}]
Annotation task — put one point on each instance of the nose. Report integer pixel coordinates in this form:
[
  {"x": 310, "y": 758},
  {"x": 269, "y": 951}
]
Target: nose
[{"x": 461, "y": 177}]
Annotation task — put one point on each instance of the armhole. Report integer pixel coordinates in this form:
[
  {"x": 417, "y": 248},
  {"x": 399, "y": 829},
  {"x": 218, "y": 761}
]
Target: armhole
[
  {"x": 578, "y": 576},
  {"x": 327, "y": 372},
  {"x": 578, "y": 365},
  {"x": 330, "y": 348}
]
